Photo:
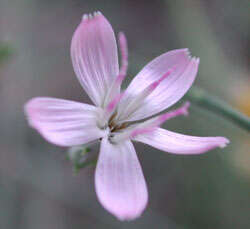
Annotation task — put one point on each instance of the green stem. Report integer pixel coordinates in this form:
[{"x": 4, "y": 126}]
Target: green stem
[{"x": 209, "y": 102}]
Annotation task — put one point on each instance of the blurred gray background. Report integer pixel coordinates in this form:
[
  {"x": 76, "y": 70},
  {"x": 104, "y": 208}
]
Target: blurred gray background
[{"x": 37, "y": 187}]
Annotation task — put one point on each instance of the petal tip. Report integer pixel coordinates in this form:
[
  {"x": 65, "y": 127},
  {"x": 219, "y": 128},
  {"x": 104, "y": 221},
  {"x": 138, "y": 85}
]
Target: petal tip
[
  {"x": 122, "y": 213},
  {"x": 128, "y": 216},
  {"x": 188, "y": 53},
  {"x": 121, "y": 35},
  {"x": 197, "y": 60},
  {"x": 29, "y": 111},
  {"x": 190, "y": 57},
  {"x": 186, "y": 108},
  {"x": 87, "y": 17},
  {"x": 26, "y": 108},
  {"x": 224, "y": 142}
]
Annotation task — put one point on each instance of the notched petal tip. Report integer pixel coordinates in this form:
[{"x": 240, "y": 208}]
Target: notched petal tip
[
  {"x": 186, "y": 50},
  {"x": 190, "y": 57},
  {"x": 186, "y": 53},
  {"x": 196, "y": 60},
  {"x": 96, "y": 13},
  {"x": 87, "y": 17}
]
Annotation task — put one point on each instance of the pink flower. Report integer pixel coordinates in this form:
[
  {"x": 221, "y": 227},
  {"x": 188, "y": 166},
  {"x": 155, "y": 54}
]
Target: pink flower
[{"x": 119, "y": 180}]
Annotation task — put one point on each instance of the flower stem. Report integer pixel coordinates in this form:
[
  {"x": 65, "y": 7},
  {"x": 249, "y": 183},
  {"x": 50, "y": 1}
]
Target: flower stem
[{"x": 209, "y": 102}]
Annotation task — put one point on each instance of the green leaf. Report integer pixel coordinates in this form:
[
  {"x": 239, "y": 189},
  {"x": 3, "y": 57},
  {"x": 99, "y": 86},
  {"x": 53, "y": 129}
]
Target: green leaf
[{"x": 81, "y": 157}]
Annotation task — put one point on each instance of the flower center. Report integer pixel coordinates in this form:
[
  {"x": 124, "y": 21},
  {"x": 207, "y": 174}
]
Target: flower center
[{"x": 116, "y": 127}]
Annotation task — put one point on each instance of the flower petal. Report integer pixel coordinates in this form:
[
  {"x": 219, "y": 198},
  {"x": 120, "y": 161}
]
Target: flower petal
[
  {"x": 94, "y": 56},
  {"x": 169, "y": 91},
  {"x": 119, "y": 181},
  {"x": 63, "y": 122},
  {"x": 180, "y": 144}
]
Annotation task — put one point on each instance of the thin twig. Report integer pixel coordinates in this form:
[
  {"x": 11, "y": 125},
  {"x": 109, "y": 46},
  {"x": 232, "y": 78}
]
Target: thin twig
[{"x": 212, "y": 103}]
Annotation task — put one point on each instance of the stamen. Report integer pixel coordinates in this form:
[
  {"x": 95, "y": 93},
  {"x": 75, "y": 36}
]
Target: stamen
[
  {"x": 117, "y": 137},
  {"x": 124, "y": 56},
  {"x": 158, "y": 120},
  {"x": 183, "y": 110},
  {"x": 113, "y": 104},
  {"x": 149, "y": 125},
  {"x": 109, "y": 110}
]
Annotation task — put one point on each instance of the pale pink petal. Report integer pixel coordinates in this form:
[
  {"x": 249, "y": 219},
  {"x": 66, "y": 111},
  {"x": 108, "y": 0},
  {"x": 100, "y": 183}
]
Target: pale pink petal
[
  {"x": 94, "y": 56},
  {"x": 119, "y": 181},
  {"x": 63, "y": 122},
  {"x": 172, "y": 142},
  {"x": 183, "y": 71},
  {"x": 114, "y": 88}
]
